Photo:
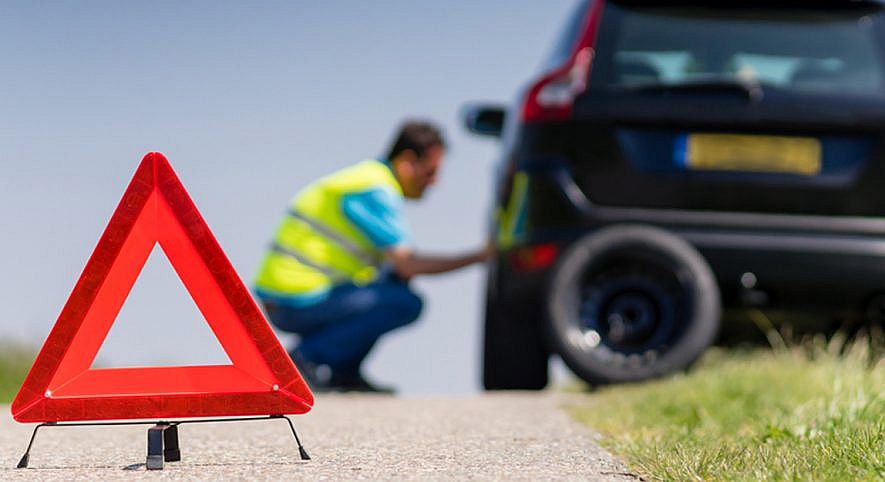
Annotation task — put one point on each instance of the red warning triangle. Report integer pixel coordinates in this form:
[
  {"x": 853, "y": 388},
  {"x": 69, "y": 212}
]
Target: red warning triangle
[{"x": 261, "y": 379}]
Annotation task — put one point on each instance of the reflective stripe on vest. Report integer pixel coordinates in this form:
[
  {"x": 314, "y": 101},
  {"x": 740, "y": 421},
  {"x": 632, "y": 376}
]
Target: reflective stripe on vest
[
  {"x": 335, "y": 276},
  {"x": 359, "y": 253}
]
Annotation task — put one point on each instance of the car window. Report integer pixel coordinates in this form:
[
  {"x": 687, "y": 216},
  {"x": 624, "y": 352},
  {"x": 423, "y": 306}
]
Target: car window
[{"x": 807, "y": 50}]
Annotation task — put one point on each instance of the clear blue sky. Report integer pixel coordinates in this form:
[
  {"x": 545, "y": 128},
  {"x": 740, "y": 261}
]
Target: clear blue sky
[{"x": 250, "y": 101}]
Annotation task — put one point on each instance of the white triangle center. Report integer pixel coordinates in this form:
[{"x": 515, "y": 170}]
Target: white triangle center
[{"x": 159, "y": 324}]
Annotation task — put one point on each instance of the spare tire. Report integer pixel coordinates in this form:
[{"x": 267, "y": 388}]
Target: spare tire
[{"x": 631, "y": 302}]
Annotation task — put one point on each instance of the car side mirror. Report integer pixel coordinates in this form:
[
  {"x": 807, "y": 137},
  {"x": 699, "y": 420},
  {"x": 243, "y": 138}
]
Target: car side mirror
[{"x": 484, "y": 119}]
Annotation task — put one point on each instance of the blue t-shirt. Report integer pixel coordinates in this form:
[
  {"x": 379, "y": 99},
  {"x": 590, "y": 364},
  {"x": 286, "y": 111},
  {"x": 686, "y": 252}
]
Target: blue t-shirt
[{"x": 378, "y": 213}]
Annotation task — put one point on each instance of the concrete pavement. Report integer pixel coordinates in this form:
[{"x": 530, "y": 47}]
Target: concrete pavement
[{"x": 507, "y": 436}]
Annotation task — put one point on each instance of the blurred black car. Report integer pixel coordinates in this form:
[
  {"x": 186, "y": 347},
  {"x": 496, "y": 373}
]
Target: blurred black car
[{"x": 675, "y": 158}]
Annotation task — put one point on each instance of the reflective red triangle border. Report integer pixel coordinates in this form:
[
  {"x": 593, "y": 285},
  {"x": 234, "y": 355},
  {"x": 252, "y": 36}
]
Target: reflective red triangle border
[{"x": 62, "y": 386}]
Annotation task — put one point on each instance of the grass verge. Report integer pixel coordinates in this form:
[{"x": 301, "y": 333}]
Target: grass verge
[
  {"x": 814, "y": 412},
  {"x": 15, "y": 361}
]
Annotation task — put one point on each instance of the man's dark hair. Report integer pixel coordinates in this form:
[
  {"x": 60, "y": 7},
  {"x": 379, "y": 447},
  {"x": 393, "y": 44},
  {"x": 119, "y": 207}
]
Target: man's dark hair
[{"x": 416, "y": 136}]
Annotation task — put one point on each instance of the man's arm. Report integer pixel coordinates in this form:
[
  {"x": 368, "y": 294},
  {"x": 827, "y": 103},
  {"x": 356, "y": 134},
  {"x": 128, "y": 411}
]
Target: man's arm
[
  {"x": 378, "y": 214},
  {"x": 408, "y": 264}
]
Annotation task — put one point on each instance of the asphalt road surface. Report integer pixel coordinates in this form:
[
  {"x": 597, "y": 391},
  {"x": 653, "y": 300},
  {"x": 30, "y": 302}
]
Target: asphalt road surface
[{"x": 514, "y": 436}]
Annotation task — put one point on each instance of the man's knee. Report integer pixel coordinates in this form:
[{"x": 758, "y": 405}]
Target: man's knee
[
  {"x": 407, "y": 306},
  {"x": 413, "y": 306}
]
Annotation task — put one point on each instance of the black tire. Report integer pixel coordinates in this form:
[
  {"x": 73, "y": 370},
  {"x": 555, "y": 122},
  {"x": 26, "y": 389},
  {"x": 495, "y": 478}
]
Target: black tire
[
  {"x": 632, "y": 302},
  {"x": 515, "y": 353},
  {"x": 875, "y": 311}
]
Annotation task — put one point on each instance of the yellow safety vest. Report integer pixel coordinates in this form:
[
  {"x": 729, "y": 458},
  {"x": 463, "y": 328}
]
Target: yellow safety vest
[{"x": 316, "y": 246}]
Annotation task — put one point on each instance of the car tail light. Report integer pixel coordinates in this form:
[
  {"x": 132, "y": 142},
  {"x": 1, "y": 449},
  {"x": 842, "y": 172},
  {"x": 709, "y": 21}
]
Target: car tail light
[
  {"x": 551, "y": 98},
  {"x": 533, "y": 258}
]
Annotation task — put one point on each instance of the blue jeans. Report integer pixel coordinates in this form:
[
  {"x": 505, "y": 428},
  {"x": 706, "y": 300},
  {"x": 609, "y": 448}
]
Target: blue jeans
[{"x": 341, "y": 330}]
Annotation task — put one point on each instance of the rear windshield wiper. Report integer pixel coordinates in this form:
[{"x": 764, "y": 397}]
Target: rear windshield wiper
[{"x": 751, "y": 88}]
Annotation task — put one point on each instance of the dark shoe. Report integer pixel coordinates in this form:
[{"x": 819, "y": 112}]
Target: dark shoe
[
  {"x": 356, "y": 383},
  {"x": 321, "y": 380},
  {"x": 309, "y": 371}
]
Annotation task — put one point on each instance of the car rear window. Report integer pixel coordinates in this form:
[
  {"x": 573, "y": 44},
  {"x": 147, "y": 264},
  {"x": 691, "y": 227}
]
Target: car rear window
[{"x": 805, "y": 49}]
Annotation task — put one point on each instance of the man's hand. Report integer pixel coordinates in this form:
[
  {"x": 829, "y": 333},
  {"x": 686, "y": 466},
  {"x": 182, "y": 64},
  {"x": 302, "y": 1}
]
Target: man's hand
[{"x": 489, "y": 250}]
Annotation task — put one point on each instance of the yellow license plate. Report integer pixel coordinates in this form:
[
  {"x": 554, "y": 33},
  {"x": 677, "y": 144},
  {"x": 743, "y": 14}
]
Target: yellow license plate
[{"x": 749, "y": 153}]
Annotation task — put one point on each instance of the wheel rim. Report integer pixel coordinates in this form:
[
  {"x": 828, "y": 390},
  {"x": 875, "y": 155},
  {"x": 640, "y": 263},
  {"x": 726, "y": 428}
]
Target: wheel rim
[{"x": 631, "y": 313}]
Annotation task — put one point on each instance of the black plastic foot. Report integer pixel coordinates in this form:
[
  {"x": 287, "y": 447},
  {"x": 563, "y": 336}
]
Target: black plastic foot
[
  {"x": 26, "y": 458},
  {"x": 155, "y": 447},
  {"x": 304, "y": 454},
  {"x": 171, "y": 453},
  {"x": 162, "y": 446},
  {"x": 301, "y": 450}
]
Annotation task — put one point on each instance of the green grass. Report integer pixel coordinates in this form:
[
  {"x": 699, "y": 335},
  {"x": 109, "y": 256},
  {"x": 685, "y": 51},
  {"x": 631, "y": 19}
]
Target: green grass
[
  {"x": 15, "y": 361},
  {"x": 814, "y": 412}
]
